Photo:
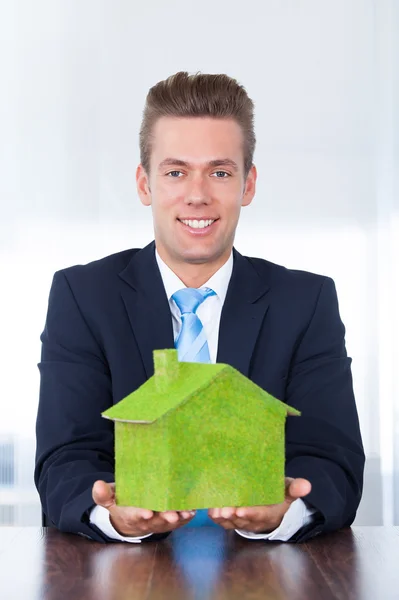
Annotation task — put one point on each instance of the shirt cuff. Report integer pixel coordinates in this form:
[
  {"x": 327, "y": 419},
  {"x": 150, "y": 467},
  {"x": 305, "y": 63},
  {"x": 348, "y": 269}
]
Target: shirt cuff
[
  {"x": 100, "y": 517},
  {"x": 297, "y": 516}
]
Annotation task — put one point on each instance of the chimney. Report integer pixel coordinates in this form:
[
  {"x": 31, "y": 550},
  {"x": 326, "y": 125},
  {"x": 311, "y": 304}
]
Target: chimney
[{"x": 166, "y": 368}]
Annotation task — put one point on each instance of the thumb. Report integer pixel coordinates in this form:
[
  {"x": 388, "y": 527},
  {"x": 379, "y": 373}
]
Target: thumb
[
  {"x": 296, "y": 488},
  {"x": 104, "y": 494}
]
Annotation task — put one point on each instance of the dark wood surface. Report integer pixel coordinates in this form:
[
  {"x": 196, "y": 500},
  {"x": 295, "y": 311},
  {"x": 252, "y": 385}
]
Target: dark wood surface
[{"x": 361, "y": 563}]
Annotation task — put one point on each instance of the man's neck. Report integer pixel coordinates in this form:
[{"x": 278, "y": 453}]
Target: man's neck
[{"x": 193, "y": 275}]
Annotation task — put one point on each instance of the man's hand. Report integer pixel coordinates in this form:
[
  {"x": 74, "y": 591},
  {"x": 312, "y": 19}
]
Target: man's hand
[
  {"x": 261, "y": 519},
  {"x": 134, "y": 522}
]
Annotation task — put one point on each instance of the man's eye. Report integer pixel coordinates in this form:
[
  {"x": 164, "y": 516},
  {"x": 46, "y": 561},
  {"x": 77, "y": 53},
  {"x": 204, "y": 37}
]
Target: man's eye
[
  {"x": 221, "y": 174},
  {"x": 174, "y": 174}
]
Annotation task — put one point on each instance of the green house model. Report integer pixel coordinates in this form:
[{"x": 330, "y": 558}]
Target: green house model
[{"x": 197, "y": 436}]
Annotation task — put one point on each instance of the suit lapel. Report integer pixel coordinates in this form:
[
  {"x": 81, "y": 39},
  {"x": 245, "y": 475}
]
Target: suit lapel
[
  {"x": 147, "y": 305},
  {"x": 242, "y": 316}
]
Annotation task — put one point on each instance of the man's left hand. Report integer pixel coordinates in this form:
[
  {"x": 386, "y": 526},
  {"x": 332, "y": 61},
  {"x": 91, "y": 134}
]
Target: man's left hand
[{"x": 261, "y": 519}]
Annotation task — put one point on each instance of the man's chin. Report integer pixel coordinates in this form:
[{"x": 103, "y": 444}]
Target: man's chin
[
  {"x": 197, "y": 259},
  {"x": 197, "y": 256}
]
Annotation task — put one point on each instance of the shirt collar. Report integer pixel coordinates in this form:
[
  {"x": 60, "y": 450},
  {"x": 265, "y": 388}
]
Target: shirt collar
[{"x": 218, "y": 282}]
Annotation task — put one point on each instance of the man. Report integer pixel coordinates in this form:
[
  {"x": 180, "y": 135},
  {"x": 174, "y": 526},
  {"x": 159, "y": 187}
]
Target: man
[{"x": 279, "y": 327}]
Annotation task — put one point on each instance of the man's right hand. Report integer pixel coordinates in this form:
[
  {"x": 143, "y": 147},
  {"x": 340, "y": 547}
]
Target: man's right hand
[{"x": 130, "y": 521}]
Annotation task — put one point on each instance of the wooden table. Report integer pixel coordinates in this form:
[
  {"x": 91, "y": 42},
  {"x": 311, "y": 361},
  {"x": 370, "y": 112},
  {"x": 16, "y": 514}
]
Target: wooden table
[{"x": 360, "y": 563}]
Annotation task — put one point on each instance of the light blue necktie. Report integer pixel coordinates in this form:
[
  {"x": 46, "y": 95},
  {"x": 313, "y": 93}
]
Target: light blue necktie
[{"x": 192, "y": 346}]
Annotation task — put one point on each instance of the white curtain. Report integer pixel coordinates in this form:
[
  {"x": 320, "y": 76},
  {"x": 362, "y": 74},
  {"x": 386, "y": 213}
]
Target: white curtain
[{"x": 324, "y": 77}]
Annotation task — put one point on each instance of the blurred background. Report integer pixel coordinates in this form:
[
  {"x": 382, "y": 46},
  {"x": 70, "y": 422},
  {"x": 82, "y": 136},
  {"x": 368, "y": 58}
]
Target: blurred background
[{"x": 324, "y": 76}]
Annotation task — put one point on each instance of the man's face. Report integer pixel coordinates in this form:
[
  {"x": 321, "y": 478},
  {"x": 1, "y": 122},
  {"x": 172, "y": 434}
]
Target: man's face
[{"x": 196, "y": 187}]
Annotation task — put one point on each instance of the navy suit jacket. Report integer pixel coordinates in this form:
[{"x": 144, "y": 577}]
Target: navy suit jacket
[{"x": 279, "y": 327}]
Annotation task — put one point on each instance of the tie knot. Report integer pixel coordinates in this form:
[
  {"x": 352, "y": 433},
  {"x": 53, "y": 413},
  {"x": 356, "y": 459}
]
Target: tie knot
[{"x": 189, "y": 299}]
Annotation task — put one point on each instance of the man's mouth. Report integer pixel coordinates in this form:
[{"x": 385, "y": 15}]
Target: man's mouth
[{"x": 198, "y": 223}]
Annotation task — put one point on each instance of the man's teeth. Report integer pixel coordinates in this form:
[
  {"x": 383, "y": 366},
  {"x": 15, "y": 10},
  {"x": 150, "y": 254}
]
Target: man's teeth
[{"x": 198, "y": 224}]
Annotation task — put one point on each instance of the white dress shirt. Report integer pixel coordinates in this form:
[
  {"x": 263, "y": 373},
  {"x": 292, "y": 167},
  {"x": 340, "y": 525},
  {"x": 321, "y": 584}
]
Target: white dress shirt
[{"x": 209, "y": 312}]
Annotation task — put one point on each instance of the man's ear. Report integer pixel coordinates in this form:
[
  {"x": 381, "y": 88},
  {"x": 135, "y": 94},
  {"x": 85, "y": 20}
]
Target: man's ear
[
  {"x": 250, "y": 187},
  {"x": 143, "y": 186}
]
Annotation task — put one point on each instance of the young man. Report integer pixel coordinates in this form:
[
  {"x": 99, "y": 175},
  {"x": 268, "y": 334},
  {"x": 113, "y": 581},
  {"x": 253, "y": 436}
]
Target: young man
[{"x": 279, "y": 327}]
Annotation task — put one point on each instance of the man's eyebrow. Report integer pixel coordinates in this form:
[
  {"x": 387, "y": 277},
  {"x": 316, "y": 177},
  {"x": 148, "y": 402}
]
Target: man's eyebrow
[
  {"x": 218, "y": 162},
  {"x": 224, "y": 162},
  {"x": 173, "y": 162}
]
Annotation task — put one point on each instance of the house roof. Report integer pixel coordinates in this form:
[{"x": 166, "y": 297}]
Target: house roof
[{"x": 175, "y": 382}]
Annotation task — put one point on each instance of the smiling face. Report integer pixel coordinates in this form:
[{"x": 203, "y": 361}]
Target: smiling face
[{"x": 196, "y": 187}]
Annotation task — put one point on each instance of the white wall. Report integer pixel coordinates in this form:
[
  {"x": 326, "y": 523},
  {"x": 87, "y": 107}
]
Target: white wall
[{"x": 322, "y": 74}]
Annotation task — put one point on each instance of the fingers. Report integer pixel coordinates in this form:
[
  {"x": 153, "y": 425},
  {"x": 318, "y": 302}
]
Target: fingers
[
  {"x": 230, "y": 514},
  {"x": 128, "y": 521},
  {"x": 187, "y": 514},
  {"x": 297, "y": 488},
  {"x": 176, "y": 518},
  {"x": 222, "y": 513},
  {"x": 130, "y": 517},
  {"x": 250, "y": 518},
  {"x": 235, "y": 518},
  {"x": 133, "y": 521},
  {"x": 227, "y": 517},
  {"x": 261, "y": 518},
  {"x": 170, "y": 516},
  {"x": 104, "y": 494}
]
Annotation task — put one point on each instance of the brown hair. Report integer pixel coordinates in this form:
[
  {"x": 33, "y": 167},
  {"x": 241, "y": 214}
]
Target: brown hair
[{"x": 199, "y": 95}]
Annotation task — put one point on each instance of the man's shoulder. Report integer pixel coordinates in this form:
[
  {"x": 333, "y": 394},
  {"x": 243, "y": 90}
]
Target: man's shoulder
[
  {"x": 110, "y": 265},
  {"x": 294, "y": 289},
  {"x": 275, "y": 274}
]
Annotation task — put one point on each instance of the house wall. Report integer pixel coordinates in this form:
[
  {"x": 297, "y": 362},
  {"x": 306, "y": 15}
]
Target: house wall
[
  {"x": 142, "y": 464},
  {"x": 225, "y": 452}
]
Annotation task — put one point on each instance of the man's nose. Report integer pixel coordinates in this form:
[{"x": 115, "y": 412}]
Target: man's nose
[{"x": 198, "y": 192}]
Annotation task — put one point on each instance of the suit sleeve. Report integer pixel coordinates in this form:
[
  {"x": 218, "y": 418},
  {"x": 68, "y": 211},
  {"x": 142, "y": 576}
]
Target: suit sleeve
[
  {"x": 75, "y": 445},
  {"x": 324, "y": 444}
]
